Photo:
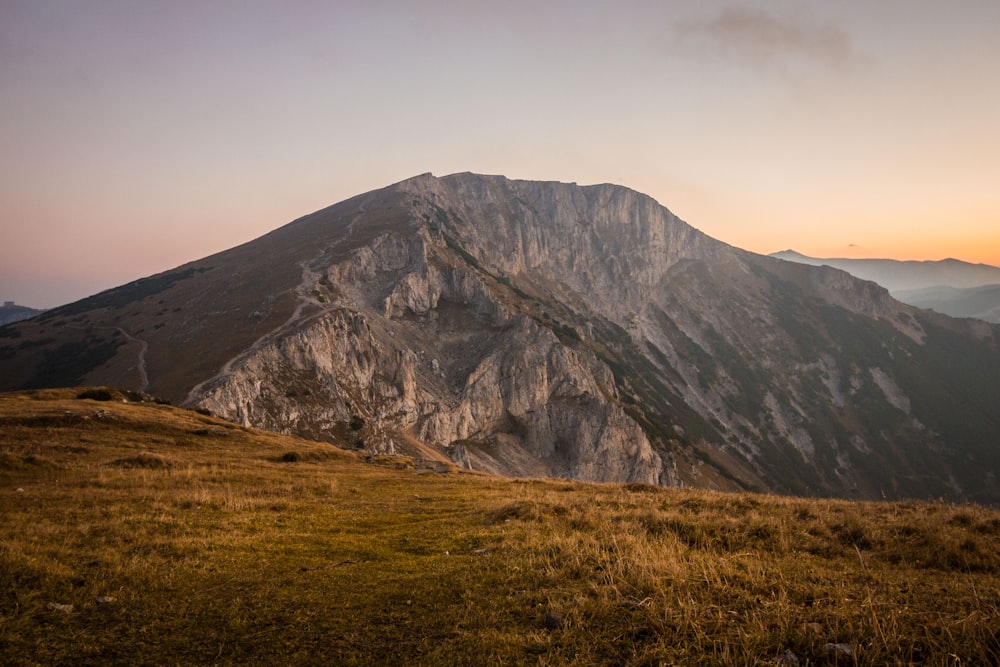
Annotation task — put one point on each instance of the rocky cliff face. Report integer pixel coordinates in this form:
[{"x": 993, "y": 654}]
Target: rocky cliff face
[
  {"x": 547, "y": 329},
  {"x": 417, "y": 346}
]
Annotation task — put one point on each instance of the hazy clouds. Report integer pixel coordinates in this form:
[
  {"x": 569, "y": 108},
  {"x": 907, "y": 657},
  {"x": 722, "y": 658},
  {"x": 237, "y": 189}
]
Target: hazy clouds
[{"x": 765, "y": 38}]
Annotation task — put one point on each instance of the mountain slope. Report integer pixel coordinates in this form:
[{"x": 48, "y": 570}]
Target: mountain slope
[
  {"x": 949, "y": 286},
  {"x": 981, "y": 302},
  {"x": 547, "y": 329}
]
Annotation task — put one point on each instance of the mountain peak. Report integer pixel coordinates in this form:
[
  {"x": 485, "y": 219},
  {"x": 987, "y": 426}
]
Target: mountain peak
[{"x": 547, "y": 329}]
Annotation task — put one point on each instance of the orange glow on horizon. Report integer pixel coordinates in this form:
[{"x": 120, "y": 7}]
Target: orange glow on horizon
[{"x": 983, "y": 248}]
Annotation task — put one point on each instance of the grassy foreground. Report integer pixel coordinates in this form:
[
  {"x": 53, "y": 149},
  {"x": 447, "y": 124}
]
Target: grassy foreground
[{"x": 178, "y": 538}]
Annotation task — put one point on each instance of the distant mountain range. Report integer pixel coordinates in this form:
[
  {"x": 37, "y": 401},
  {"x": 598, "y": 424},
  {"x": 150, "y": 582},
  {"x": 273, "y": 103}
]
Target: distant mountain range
[
  {"x": 545, "y": 329},
  {"x": 949, "y": 286},
  {"x": 979, "y": 302},
  {"x": 11, "y": 312}
]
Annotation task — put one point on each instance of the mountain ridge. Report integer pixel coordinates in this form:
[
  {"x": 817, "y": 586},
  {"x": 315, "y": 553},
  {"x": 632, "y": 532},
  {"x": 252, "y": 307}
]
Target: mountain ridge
[
  {"x": 13, "y": 312},
  {"x": 949, "y": 286},
  {"x": 548, "y": 329},
  {"x": 897, "y": 274}
]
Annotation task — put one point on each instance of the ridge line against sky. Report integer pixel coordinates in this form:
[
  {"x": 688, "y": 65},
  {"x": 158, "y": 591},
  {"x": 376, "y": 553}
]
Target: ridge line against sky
[{"x": 141, "y": 135}]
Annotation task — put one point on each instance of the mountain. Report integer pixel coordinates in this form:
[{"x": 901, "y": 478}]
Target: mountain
[
  {"x": 897, "y": 275},
  {"x": 547, "y": 329},
  {"x": 949, "y": 286},
  {"x": 11, "y": 312},
  {"x": 981, "y": 302}
]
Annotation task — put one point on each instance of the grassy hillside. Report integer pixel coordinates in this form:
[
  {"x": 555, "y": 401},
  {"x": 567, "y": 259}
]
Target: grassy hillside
[{"x": 135, "y": 533}]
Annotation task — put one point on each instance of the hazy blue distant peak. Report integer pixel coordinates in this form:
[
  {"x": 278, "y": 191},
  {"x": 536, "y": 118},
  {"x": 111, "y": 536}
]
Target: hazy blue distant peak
[{"x": 898, "y": 275}]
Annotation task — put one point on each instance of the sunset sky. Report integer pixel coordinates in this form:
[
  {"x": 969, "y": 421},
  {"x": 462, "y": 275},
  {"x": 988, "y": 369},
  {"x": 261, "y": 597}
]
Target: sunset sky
[{"x": 139, "y": 134}]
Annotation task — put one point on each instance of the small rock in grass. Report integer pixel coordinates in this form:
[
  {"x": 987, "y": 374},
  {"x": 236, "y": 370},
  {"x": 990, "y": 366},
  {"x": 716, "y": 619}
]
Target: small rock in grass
[
  {"x": 836, "y": 651},
  {"x": 55, "y": 606},
  {"x": 788, "y": 659},
  {"x": 553, "y": 620},
  {"x": 105, "y": 599}
]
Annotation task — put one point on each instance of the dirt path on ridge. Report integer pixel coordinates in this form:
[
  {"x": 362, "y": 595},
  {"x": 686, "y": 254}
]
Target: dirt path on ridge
[{"x": 304, "y": 292}]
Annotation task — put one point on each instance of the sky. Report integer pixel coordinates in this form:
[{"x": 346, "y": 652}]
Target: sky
[{"x": 137, "y": 135}]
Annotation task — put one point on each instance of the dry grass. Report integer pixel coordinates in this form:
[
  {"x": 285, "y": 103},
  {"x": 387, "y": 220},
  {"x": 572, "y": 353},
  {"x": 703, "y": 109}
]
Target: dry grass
[{"x": 181, "y": 539}]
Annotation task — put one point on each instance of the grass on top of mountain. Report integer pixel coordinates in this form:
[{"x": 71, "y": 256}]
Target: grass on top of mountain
[{"x": 145, "y": 534}]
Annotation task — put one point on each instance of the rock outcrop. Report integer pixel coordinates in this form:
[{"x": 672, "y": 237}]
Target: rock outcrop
[{"x": 420, "y": 348}]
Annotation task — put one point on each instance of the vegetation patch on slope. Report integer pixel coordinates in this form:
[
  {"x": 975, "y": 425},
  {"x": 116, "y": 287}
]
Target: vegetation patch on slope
[
  {"x": 136, "y": 533},
  {"x": 118, "y": 297}
]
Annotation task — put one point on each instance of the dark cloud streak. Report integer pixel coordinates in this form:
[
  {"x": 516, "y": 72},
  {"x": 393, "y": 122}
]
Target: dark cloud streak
[{"x": 766, "y": 39}]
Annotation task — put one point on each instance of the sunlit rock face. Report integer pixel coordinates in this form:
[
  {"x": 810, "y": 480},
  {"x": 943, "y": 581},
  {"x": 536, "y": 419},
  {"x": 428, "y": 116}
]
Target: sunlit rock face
[{"x": 547, "y": 329}]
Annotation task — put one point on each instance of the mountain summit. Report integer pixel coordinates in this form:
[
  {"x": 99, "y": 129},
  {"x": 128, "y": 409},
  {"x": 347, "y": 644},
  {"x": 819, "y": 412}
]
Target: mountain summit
[{"x": 549, "y": 329}]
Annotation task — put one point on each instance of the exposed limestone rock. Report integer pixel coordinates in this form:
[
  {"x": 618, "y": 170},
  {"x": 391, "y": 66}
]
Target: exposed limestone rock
[
  {"x": 555, "y": 406},
  {"x": 893, "y": 394}
]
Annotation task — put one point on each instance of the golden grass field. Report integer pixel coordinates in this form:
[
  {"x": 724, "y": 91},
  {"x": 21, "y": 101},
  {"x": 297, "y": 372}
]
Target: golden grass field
[{"x": 181, "y": 539}]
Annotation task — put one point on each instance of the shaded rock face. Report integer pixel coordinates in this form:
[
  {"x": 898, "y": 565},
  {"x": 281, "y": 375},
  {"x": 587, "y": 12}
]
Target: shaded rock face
[{"x": 546, "y": 329}]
